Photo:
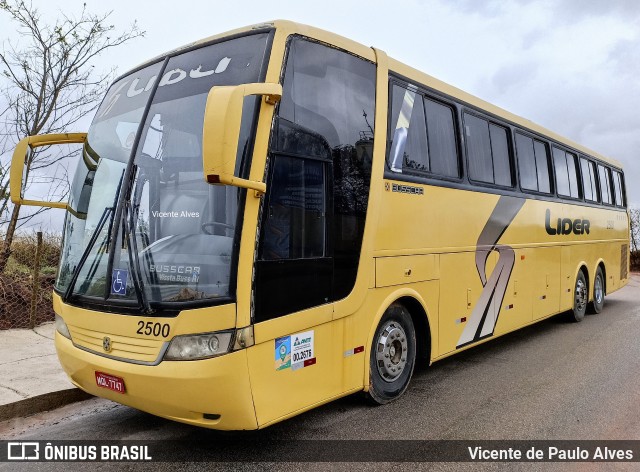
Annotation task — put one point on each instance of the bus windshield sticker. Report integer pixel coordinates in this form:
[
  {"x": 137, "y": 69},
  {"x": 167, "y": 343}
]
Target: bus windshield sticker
[
  {"x": 295, "y": 351},
  {"x": 119, "y": 282},
  {"x": 283, "y": 353}
]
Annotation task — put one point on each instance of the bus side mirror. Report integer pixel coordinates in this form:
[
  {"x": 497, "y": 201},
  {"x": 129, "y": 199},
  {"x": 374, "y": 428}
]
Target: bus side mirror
[
  {"x": 221, "y": 131},
  {"x": 18, "y": 168},
  {"x": 18, "y": 171}
]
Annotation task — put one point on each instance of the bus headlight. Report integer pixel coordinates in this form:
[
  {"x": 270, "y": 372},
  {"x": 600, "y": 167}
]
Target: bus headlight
[
  {"x": 199, "y": 346},
  {"x": 61, "y": 327}
]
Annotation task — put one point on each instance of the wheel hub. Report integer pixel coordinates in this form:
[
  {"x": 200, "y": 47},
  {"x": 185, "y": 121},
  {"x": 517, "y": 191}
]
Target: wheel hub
[
  {"x": 391, "y": 351},
  {"x": 581, "y": 295},
  {"x": 599, "y": 291}
]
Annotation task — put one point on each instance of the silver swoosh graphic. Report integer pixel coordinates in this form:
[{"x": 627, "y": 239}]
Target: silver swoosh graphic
[{"x": 484, "y": 316}]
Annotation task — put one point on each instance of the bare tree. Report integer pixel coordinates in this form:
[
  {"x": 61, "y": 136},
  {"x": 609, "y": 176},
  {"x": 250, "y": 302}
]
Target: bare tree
[
  {"x": 634, "y": 220},
  {"x": 50, "y": 86}
]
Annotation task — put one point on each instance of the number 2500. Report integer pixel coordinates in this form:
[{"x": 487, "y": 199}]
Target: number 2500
[{"x": 156, "y": 329}]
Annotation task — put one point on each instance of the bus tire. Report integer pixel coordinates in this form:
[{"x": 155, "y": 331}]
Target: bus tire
[
  {"x": 580, "y": 298},
  {"x": 393, "y": 356},
  {"x": 598, "y": 292}
]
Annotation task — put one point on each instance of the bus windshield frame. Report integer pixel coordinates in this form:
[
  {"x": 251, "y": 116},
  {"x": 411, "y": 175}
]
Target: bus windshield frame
[{"x": 146, "y": 213}]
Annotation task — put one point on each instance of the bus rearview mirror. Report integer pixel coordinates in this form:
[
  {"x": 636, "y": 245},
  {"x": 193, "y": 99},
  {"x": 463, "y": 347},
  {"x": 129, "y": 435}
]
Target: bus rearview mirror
[
  {"x": 17, "y": 175},
  {"x": 221, "y": 131}
]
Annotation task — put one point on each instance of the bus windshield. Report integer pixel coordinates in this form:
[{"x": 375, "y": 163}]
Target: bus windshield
[{"x": 144, "y": 224}]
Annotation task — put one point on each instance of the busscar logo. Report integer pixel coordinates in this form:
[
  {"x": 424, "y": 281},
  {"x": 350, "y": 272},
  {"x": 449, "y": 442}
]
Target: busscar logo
[
  {"x": 23, "y": 451},
  {"x": 566, "y": 225},
  {"x": 407, "y": 189}
]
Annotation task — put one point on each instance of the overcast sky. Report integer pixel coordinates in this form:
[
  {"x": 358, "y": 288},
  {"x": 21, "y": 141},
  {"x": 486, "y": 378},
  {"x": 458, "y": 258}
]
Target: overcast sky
[{"x": 570, "y": 65}]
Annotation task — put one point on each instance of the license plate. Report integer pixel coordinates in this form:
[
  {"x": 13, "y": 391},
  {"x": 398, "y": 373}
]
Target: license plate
[{"x": 110, "y": 381}]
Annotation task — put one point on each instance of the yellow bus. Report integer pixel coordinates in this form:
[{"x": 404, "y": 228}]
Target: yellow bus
[{"x": 276, "y": 217}]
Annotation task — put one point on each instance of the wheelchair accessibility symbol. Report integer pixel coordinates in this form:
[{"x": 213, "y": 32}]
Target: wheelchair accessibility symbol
[{"x": 119, "y": 282}]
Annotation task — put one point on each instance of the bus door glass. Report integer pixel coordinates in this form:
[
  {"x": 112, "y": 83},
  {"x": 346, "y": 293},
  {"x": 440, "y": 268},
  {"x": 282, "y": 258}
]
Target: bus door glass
[
  {"x": 312, "y": 223},
  {"x": 318, "y": 187}
]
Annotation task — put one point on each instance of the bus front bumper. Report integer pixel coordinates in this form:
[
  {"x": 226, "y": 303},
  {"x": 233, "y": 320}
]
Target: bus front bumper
[{"x": 183, "y": 391}]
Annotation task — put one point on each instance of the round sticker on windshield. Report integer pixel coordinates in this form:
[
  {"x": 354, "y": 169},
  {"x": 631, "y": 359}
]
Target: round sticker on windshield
[{"x": 129, "y": 142}]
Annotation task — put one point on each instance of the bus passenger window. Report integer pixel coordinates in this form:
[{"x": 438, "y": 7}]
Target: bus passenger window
[
  {"x": 443, "y": 151},
  {"x": 572, "y": 167},
  {"x": 500, "y": 151},
  {"x": 562, "y": 174},
  {"x": 526, "y": 162},
  {"x": 605, "y": 184},
  {"x": 479, "y": 149},
  {"x": 617, "y": 185},
  {"x": 533, "y": 162},
  {"x": 542, "y": 166},
  {"x": 409, "y": 146},
  {"x": 424, "y": 137},
  {"x": 488, "y": 151},
  {"x": 566, "y": 166},
  {"x": 588, "y": 180}
]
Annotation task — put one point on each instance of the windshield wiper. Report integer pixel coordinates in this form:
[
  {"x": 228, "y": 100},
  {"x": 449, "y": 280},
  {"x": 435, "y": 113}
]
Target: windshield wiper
[
  {"x": 85, "y": 255},
  {"x": 134, "y": 260},
  {"x": 94, "y": 237}
]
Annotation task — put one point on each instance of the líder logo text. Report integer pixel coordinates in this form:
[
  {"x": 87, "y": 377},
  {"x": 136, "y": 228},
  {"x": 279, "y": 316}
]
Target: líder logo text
[{"x": 565, "y": 225}]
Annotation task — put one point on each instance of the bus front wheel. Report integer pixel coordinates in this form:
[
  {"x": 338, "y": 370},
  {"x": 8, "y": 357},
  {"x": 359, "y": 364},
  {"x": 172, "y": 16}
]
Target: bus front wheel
[
  {"x": 393, "y": 356},
  {"x": 598, "y": 292}
]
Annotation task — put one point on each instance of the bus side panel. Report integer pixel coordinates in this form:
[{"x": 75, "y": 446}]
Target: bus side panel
[
  {"x": 607, "y": 224},
  {"x": 440, "y": 220},
  {"x": 568, "y": 274},
  {"x": 545, "y": 280},
  {"x": 281, "y": 388},
  {"x": 460, "y": 289},
  {"x": 611, "y": 253},
  {"x": 516, "y": 308}
]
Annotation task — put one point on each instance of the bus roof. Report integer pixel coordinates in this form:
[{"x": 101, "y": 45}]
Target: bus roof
[{"x": 402, "y": 69}]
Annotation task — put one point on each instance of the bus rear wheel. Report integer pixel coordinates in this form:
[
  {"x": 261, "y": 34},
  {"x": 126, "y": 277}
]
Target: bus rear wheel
[
  {"x": 393, "y": 356},
  {"x": 598, "y": 293},
  {"x": 580, "y": 298}
]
